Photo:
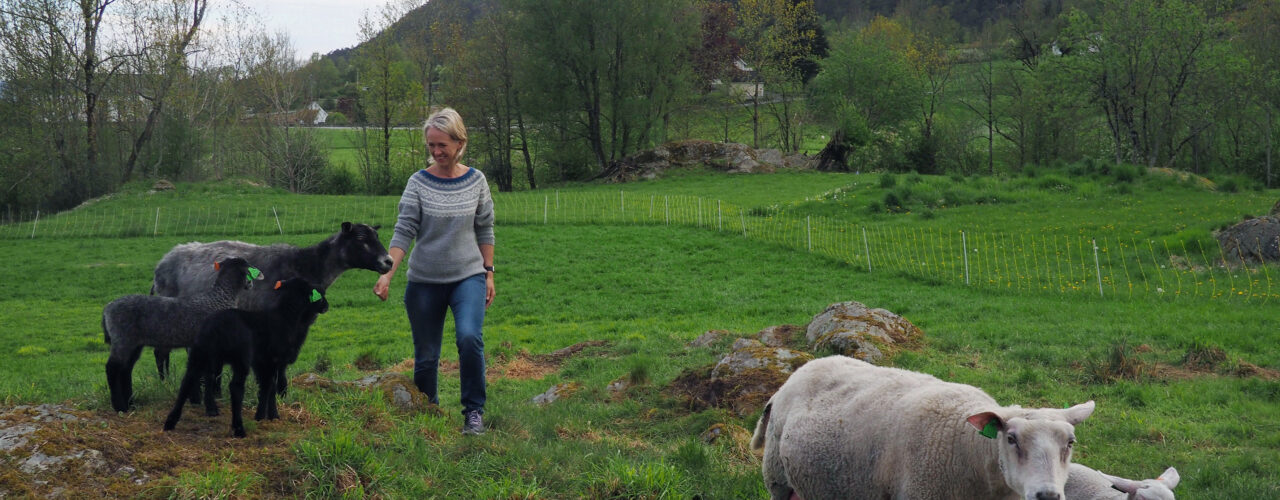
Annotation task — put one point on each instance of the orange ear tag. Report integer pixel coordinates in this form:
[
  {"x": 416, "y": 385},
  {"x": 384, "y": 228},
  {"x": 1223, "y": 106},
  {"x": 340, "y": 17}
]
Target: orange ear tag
[
  {"x": 278, "y": 283},
  {"x": 217, "y": 266}
]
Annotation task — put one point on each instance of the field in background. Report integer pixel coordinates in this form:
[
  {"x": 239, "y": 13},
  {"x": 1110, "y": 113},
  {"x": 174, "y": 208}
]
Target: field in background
[{"x": 647, "y": 288}]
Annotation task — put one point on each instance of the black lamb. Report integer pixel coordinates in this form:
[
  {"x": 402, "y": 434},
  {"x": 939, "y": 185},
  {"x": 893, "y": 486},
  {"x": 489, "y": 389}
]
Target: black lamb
[
  {"x": 264, "y": 341},
  {"x": 132, "y": 322}
]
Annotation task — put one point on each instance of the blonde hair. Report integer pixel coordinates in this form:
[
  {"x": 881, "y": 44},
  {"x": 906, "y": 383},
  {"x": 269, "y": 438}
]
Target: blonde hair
[{"x": 450, "y": 122}]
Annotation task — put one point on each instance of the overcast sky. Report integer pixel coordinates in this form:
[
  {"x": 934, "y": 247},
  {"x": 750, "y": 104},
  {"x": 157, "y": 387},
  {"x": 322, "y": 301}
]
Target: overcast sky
[{"x": 315, "y": 25}]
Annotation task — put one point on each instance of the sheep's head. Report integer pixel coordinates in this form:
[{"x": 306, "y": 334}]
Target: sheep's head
[
  {"x": 1160, "y": 488},
  {"x": 358, "y": 247},
  {"x": 1034, "y": 446},
  {"x": 299, "y": 293},
  {"x": 232, "y": 269}
]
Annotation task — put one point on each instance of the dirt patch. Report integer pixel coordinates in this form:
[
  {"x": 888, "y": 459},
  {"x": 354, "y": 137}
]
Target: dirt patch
[
  {"x": 83, "y": 454},
  {"x": 744, "y": 392}
]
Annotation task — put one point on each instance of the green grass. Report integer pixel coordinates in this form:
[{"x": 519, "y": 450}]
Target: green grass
[{"x": 648, "y": 289}]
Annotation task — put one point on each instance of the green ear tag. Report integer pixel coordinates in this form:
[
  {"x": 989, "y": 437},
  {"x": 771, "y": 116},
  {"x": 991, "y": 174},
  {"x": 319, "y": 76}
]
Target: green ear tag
[
  {"x": 315, "y": 295},
  {"x": 989, "y": 431},
  {"x": 254, "y": 273}
]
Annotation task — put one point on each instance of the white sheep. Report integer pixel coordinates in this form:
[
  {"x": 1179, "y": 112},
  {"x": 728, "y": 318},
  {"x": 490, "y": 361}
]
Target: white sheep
[
  {"x": 844, "y": 428},
  {"x": 1084, "y": 483}
]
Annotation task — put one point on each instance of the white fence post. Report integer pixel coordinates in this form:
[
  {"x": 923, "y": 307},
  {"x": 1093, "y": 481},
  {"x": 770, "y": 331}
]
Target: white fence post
[
  {"x": 155, "y": 228},
  {"x": 808, "y": 232},
  {"x": 1096, "y": 266},
  {"x": 546, "y": 204},
  {"x": 35, "y": 223},
  {"x": 719, "y": 217},
  {"x": 743, "y": 215},
  {"x": 666, "y": 208},
  {"x": 964, "y": 247},
  {"x": 273, "y": 212},
  {"x": 866, "y": 247}
]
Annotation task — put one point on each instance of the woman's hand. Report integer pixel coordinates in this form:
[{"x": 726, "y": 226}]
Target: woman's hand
[
  {"x": 382, "y": 287},
  {"x": 489, "y": 291}
]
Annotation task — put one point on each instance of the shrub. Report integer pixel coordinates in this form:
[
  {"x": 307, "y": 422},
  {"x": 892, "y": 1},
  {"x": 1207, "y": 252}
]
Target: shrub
[
  {"x": 338, "y": 179},
  {"x": 336, "y": 118},
  {"x": 1126, "y": 173},
  {"x": 888, "y": 180}
]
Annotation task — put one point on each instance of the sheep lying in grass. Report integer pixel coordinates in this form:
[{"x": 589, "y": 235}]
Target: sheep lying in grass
[
  {"x": 257, "y": 340},
  {"x": 131, "y": 322},
  {"x": 843, "y": 428},
  {"x": 1084, "y": 483},
  {"x": 181, "y": 272}
]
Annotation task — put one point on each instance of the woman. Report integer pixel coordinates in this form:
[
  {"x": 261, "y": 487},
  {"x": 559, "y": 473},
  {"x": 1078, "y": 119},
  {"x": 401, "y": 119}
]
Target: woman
[{"x": 446, "y": 212}]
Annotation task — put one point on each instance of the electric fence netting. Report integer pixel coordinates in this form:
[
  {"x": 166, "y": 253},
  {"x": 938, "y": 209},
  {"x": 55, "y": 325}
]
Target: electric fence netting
[{"x": 1106, "y": 266}]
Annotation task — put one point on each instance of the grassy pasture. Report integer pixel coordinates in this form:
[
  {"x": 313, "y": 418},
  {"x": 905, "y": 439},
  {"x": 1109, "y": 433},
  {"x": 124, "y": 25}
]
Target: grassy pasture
[{"x": 648, "y": 289}]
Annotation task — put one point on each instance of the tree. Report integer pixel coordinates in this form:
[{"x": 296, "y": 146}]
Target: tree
[
  {"x": 1258, "y": 41},
  {"x": 866, "y": 89},
  {"x": 384, "y": 88},
  {"x": 608, "y": 73},
  {"x": 782, "y": 40},
  {"x": 1143, "y": 61}
]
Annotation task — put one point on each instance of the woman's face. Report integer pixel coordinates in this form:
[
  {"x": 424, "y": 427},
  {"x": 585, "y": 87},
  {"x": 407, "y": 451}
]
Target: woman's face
[{"x": 444, "y": 150}]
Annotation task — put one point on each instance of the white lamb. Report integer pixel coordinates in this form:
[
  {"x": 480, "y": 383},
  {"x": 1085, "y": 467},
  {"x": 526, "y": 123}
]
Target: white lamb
[
  {"x": 843, "y": 428},
  {"x": 1084, "y": 483}
]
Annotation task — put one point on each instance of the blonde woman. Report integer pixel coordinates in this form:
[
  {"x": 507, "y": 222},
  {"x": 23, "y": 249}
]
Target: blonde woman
[{"x": 446, "y": 214}]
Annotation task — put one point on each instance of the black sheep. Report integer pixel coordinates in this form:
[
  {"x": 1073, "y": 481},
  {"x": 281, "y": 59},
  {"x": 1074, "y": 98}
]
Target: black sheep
[{"x": 264, "y": 341}]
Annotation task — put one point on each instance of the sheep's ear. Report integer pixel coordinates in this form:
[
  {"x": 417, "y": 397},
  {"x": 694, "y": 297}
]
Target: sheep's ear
[
  {"x": 1078, "y": 413},
  {"x": 1169, "y": 477},
  {"x": 376, "y": 227},
  {"x": 278, "y": 285},
  {"x": 1122, "y": 484},
  {"x": 217, "y": 266},
  {"x": 346, "y": 227},
  {"x": 987, "y": 423}
]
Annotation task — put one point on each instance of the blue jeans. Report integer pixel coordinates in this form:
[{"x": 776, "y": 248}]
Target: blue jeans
[{"x": 426, "y": 304}]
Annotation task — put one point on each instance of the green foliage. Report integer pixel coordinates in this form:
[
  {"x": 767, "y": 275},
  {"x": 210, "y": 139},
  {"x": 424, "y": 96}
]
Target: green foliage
[{"x": 337, "y": 118}]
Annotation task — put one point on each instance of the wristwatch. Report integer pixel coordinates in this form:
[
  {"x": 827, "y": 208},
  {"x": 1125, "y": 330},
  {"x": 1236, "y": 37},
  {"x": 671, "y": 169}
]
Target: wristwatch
[{"x": 488, "y": 268}]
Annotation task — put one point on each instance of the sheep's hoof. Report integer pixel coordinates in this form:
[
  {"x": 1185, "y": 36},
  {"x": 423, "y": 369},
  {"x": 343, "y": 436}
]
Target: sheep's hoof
[
  {"x": 238, "y": 433},
  {"x": 211, "y": 412},
  {"x": 168, "y": 426}
]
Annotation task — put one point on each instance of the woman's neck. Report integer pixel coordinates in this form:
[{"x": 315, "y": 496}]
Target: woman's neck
[{"x": 452, "y": 171}]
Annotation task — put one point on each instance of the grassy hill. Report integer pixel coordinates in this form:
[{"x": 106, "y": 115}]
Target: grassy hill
[{"x": 1186, "y": 381}]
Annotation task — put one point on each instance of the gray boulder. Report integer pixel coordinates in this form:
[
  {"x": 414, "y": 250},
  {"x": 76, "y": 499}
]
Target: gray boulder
[
  {"x": 855, "y": 330},
  {"x": 1252, "y": 241}
]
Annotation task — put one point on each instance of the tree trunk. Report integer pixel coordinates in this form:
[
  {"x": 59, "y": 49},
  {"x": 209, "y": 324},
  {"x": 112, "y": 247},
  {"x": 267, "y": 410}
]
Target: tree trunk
[{"x": 834, "y": 156}]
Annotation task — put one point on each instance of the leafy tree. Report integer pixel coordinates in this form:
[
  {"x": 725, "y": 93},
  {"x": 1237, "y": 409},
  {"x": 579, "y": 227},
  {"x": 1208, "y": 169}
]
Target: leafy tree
[
  {"x": 1258, "y": 41},
  {"x": 867, "y": 89},
  {"x": 1143, "y": 61},
  {"x": 781, "y": 41},
  {"x": 384, "y": 87},
  {"x": 607, "y": 73}
]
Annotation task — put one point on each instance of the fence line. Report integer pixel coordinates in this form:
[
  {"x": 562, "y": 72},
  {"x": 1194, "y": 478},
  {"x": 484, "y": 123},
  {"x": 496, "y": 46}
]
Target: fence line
[{"x": 1108, "y": 266}]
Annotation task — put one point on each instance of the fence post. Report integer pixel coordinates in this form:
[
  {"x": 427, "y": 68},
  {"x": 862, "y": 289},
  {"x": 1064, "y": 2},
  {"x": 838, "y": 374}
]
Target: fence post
[
  {"x": 666, "y": 209},
  {"x": 808, "y": 232},
  {"x": 866, "y": 247},
  {"x": 719, "y": 217},
  {"x": 273, "y": 212},
  {"x": 743, "y": 215},
  {"x": 546, "y": 204},
  {"x": 1096, "y": 266},
  {"x": 35, "y": 223},
  {"x": 964, "y": 247},
  {"x": 622, "y": 203}
]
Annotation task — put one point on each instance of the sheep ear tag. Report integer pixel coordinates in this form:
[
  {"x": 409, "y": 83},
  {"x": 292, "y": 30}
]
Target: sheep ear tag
[
  {"x": 278, "y": 283},
  {"x": 217, "y": 266},
  {"x": 315, "y": 295},
  {"x": 989, "y": 431},
  {"x": 254, "y": 274}
]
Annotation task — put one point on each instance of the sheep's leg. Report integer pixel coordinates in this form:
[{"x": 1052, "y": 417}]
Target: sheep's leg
[
  {"x": 266, "y": 394},
  {"x": 210, "y": 404},
  {"x": 282, "y": 381},
  {"x": 120, "y": 378},
  {"x": 238, "y": 375},
  {"x": 190, "y": 381},
  {"x": 162, "y": 361}
]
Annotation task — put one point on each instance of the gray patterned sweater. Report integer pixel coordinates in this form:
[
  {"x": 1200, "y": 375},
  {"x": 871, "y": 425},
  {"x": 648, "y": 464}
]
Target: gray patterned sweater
[{"x": 446, "y": 221}]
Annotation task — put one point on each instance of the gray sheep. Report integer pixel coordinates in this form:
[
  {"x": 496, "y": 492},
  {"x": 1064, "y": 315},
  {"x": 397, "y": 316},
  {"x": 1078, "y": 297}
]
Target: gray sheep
[
  {"x": 844, "y": 428},
  {"x": 1084, "y": 483},
  {"x": 132, "y": 322},
  {"x": 182, "y": 271}
]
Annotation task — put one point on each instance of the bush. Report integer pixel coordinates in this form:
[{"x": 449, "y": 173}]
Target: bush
[
  {"x": 337, "y": 118},
  {"x": 338, "y": 179},
  {"x": 888, "y": 180},
  {"x": 1126, "y": 173}
]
